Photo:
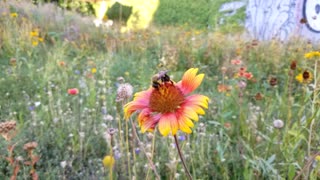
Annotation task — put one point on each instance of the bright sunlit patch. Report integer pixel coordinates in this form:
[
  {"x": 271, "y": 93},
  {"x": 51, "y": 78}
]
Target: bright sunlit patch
[{"x": 169, "y": 105}]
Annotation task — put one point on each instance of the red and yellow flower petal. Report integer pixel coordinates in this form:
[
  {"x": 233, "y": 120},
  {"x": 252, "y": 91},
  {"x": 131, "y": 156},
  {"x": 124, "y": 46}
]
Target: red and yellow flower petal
[
  {"x": 198, "y": 99},
  {"x": 132, "y": 107},
  {"x": 197, "y": 109},
  {"x": 168, "y": 123},
  {"x": 190, "y": 113},
  {"x": 143, "y": 94},
  {"x": 185, "y": 124},
  {"x": 140, "y": 101},
  {"x": 143, "y": 115},
  {"x": 149, "y": 123},
  {"x": 190, "y": 81}
]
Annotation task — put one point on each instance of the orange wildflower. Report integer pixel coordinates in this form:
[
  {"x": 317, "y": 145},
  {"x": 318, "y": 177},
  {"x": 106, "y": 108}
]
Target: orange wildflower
[
  {"x": 236, "y": 62},
  {"x": 224, "y": 88}
]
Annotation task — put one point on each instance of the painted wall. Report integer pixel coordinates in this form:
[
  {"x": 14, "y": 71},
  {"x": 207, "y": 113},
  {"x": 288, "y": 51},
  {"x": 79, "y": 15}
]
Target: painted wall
[{"x": 281, "y": 19}]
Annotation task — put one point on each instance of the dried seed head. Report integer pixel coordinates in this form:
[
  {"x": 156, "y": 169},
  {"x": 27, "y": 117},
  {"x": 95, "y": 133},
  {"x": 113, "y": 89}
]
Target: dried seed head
[
  {"x": 224, "y": 70},
  {"x": 13, "y": 61},
  {"x": 124, "y": 92},
  {"x": 293, "y": 65},
  {"x": 258, "y": 139},
  {"x": 111, "y": 131},
  {"x": 273, "y": 81},
  {"x": 30, "y": 146},
  {"x": 255, "y": 42},
  {"x": 6, "y": 127},
  {"x": 258, "y": 96}
]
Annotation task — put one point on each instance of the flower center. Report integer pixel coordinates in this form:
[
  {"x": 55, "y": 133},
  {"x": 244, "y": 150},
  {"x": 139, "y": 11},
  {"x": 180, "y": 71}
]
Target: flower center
[
  {"x": 305, "y": 75},
  {"x": 166, "y": 98}
]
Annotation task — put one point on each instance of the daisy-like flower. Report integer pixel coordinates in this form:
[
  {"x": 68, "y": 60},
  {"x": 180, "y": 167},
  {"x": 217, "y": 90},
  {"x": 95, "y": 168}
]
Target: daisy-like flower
[
  {"x": 236, "y": 62},
  {"x": 34, "y": 33},
  {"x": 40, "y": 39},
  {"x": 312, "y": 54},
  {"x": 304, "y": 77},
  {"x": 224, "y": 88},
  {"x": 14, "y": 15},
  {"x": 244, "y": 73},
  {"x": 169, "y": 105}
]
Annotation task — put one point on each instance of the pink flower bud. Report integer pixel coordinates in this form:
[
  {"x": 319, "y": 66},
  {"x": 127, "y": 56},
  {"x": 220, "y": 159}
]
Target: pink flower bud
[{"x": 73, "y": 91}]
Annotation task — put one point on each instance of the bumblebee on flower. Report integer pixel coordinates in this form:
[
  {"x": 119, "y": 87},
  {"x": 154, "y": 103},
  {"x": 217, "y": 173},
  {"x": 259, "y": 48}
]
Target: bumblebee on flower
[{"x": 168, "y": 104}]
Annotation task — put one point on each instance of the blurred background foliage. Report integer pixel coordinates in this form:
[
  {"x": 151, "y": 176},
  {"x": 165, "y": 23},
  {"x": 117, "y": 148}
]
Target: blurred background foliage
[{"x": 204, "y": 13}]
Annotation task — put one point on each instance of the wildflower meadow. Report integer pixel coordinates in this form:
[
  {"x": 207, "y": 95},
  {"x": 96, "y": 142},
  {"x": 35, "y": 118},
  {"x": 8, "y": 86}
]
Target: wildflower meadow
[{"x": 167, "y": 102}]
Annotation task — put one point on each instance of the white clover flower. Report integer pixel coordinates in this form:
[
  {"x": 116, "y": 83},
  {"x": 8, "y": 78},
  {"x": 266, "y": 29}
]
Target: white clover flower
[
  {"x": 278, "y": 123},
  {"x": 63, "y": 164},
  {"x": 36, "y": 104}
]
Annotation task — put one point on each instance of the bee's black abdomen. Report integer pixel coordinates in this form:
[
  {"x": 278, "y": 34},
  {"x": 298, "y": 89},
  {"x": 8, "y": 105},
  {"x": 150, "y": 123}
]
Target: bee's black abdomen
[{"x": 155, "y": 85}]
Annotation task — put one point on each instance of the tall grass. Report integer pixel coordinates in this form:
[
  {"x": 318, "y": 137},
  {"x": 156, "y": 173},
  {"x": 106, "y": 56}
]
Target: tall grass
[{"x": 45, "y": 51}]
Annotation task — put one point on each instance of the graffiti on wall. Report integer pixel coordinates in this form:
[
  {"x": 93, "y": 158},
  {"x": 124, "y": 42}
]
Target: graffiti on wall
[
  {"x": 311, "y": 14},
  {"x": 282, "y": 19}
]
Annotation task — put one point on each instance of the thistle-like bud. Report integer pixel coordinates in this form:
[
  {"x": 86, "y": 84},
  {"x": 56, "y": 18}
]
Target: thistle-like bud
[
  {"x": 30, "y": 146},
  {"x": 6, "y": 127},
  {"x": 124, "y": 92}
]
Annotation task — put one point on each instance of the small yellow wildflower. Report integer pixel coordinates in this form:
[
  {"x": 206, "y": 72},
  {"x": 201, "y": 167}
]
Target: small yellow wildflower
[
  {"x": 14, "y": 15},
  {"x": 317, "y": 158},
  {"x": 197, "y": 32},
  {"x": 304, "y": 77},
  {"x": 40, "y": 39},
  {"x": 34, "y": 33},
  {"x": 93, "y": 70},
  {"x": 312, "y": 54},
  {"x": 35, "y": 43},
  {"x": 127, "y": 73},
  {"x": 108, "y": 161}
]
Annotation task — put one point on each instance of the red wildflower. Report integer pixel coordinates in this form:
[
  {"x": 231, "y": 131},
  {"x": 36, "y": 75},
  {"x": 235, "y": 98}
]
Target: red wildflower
[{"x": 73, "y": 91}]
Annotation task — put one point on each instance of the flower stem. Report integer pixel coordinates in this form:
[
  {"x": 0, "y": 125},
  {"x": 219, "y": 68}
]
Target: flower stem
[
  {"x": 181, "y": 157},
  {"x": 152, "y": 151},
  {"x": 128, "y": 150},
  {"x": 153, "y": 167}
]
